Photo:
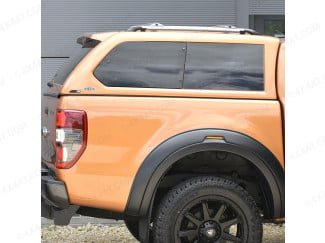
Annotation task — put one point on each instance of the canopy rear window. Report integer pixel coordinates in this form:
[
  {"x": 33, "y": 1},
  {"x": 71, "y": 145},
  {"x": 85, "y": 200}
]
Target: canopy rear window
[
  {"x": 87, "y": 44},
  {"x": 69, "y": 65}
]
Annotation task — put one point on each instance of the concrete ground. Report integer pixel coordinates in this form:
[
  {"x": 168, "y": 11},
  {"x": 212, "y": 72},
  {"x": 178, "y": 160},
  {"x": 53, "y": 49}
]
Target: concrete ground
[
  {"x": 82, "y": 220},
  {"x": 92, "y": 230}
]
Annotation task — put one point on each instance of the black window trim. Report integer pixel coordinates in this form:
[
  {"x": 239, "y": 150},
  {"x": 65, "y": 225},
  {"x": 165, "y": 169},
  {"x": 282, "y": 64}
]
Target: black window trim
[
  {"x": 132, "y": 41},
  {"x": 183, "y": 69}
]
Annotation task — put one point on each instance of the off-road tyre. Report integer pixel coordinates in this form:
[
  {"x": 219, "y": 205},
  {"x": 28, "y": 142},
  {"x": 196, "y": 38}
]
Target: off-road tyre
[{"x": 207, "y": 209}]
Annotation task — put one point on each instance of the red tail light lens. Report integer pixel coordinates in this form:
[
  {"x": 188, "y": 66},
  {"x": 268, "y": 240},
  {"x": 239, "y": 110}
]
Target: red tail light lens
[{"x": 71, "y": 137}]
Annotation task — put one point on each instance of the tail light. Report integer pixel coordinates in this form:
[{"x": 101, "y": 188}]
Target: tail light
[{"x": 71, "y": 137}]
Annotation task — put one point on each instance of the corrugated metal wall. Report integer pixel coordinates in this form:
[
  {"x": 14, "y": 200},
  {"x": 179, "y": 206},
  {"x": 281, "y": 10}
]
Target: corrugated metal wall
[
  {"x": 266, "y": 7},
  {"x": 63, "y": 21}
]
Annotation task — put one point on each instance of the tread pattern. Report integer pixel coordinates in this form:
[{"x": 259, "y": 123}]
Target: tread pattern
[{"x": 167, "y": 206}]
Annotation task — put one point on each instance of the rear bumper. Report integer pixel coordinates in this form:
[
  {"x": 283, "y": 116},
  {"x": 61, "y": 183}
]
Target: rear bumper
[
  {"x": 54, "y": 192},
  {"x": 55, "y": 201}
]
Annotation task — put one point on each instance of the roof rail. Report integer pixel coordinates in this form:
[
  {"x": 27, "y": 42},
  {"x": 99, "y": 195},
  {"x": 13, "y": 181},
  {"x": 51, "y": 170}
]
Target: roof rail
[
  {"x": 279, "y": 34},
  {"x": 218, "y": 28}
]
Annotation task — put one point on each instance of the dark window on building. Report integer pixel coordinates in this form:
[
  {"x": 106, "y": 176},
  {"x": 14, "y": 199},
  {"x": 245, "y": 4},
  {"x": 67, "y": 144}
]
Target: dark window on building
[
  {"x": 274, "y": 27},
  {"x": 143, "y": 65},
  {"x": 224, "y": 66}
]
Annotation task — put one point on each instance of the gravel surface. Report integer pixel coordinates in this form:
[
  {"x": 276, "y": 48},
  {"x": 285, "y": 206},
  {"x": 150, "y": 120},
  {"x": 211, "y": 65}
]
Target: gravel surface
[{"x": 119, "y": 234}]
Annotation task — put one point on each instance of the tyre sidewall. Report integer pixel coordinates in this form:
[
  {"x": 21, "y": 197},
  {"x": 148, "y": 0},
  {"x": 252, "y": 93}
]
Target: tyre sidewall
[{"x": 181, "y": 199}]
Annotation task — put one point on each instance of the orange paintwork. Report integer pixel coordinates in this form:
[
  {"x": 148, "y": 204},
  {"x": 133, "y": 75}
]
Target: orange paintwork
[{"x": 124, "y": 127}]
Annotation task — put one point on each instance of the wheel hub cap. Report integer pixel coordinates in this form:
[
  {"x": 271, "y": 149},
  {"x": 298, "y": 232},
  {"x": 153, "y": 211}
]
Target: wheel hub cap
[{"x": 210, "y": 231}]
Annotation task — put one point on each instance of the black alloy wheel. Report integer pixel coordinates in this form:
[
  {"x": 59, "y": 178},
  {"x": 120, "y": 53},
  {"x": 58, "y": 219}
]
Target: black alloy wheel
[
  {"x": 207, "y": 209},
  {"x": 209, "y": 221}
]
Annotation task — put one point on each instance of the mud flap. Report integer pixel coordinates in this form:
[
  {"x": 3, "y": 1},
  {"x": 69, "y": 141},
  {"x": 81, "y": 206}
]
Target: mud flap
[
  {"x": 46, "y": 210},
  {"x": 63, "y": 216}
]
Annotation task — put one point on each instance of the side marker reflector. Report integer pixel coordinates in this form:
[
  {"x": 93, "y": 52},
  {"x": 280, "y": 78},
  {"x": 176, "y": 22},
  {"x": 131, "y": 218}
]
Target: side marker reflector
[{"x": 215, "y": 137}]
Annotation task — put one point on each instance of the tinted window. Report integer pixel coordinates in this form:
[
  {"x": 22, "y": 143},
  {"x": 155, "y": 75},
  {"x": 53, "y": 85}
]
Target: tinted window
[
  {"x": 143, "y": 65},
  {"x": 69, "y": 65},
  {"x": 224, "y": 66}
]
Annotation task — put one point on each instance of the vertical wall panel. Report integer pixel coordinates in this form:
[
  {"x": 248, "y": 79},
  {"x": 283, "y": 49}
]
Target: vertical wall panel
[
  {"x": 266, "y": 7},
  {"x": 63, "y": 21}
]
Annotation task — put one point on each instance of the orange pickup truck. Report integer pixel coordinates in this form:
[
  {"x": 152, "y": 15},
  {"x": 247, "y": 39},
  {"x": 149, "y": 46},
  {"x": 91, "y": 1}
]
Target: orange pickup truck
[{"x": 177, "y": 130}]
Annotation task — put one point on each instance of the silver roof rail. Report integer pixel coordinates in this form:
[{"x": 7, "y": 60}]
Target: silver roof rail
[
  {"x": 218, "y": 28},
  {"x": 279, "y": 34}
]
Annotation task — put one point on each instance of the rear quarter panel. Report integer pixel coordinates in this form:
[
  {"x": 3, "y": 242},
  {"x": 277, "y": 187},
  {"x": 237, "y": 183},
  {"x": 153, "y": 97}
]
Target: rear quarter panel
[{"x": 124, "y": 130}]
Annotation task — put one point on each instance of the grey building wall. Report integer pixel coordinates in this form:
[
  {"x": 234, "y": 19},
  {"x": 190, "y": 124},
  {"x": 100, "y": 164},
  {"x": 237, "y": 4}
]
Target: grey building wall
[
  {"x": 266, "y": 7},
  {"x": 63, "y": 21}
]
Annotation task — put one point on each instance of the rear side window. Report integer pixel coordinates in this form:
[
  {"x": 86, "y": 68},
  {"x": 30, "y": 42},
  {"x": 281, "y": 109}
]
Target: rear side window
[
  {"x": 224, "y": 66},
  {"x": 143, "y": 65},
  {"x": 70, "y": 64}
]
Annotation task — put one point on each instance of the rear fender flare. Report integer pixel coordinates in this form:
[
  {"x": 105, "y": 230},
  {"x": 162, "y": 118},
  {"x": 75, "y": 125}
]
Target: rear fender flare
[{"x": 167, "y": 153}]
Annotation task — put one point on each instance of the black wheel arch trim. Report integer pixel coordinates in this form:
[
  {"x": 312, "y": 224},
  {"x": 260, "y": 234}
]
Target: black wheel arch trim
[{"x": 168, "y": 152}]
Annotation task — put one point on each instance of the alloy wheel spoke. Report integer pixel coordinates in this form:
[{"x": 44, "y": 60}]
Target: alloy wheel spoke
[
  {"x": 220, "y": 212},
  {"x": 229, "y": 237},
  {"x": 205, "y": 209},
  {"x": 229, "y": 223},
  {"x": 189, "y": 234},
  {"x": 193, "y": 219}
]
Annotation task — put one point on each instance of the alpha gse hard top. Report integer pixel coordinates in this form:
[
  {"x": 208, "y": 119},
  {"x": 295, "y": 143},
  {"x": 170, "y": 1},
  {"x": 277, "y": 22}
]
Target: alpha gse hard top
[{"x": 177, "y": 130}]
